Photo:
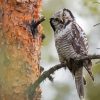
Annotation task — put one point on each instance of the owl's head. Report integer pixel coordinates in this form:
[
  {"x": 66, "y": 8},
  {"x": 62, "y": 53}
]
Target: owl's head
[{"x": 61, "y": 18}]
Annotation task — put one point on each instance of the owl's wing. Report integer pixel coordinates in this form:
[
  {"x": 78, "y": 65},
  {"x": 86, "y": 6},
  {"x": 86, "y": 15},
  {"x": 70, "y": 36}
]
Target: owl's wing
[{"x": 80, "y": 43}]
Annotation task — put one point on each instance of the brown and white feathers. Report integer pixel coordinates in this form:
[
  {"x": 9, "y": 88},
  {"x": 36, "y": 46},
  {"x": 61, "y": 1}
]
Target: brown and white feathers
[{"x": 71, "y": 42}]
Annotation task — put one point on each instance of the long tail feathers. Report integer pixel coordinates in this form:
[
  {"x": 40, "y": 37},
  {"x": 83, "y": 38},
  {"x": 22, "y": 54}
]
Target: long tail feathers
[
  {"x": 88, "y": 67},
  {"x": 79, "y": 82}
]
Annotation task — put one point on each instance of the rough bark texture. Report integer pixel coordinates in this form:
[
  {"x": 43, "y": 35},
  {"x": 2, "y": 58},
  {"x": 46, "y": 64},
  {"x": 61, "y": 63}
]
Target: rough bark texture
[{"x": 19, "y": 51}]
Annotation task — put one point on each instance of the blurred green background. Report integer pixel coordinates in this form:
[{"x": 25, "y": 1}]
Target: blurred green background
[{"x": 87, "y": 14}]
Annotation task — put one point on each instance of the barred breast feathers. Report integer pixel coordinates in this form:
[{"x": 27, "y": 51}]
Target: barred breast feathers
[
  {"x": 71, "y": 40},
  {"x": 59, "y": 33}
]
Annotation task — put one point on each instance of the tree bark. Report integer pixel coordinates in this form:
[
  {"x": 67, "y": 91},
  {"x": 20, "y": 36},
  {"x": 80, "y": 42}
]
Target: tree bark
[{"x": 19, "y": 51}]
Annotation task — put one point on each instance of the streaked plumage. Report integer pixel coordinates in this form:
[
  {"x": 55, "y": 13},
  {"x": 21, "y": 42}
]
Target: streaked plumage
[{"x": 71, "y": 42}]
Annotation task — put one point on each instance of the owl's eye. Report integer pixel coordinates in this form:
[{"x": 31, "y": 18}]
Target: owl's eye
[
  {"x": 58, "y": 20},
  {"x": 65, "y": 15}
]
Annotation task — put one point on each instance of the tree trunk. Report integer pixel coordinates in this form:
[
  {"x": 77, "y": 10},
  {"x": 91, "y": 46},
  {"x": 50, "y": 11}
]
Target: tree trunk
[{"x": 19, "y": 51}]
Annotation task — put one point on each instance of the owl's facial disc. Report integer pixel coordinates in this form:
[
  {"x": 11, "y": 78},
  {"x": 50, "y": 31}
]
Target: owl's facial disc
[
  {"x": 67, "y": 15},
  {"x": 61, "y": 18},
  {"x": 55, "y": 22}
]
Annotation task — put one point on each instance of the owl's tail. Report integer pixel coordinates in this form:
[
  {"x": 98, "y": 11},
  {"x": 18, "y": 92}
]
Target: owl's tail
[
  {"x": 79, "y": 82},
  {"x": 88, "y": 66}
]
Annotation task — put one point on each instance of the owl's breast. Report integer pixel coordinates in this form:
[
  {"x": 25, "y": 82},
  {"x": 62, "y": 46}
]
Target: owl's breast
[{"x": 63, "y": 45}]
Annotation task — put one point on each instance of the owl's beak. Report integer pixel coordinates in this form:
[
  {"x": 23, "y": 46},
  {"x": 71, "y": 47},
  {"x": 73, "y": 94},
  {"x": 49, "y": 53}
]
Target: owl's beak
[{"x": 62, "y": 20}]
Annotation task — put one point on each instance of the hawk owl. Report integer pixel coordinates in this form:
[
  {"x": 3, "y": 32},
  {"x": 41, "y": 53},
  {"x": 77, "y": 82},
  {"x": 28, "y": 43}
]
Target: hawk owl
[{"x": 71, "y": 42}]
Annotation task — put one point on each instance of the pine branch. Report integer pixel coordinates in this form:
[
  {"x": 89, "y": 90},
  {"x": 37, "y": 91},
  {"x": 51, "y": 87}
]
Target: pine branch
[
  {"x": 46, "y": 74},
  {"x": 96, "y": 24}
]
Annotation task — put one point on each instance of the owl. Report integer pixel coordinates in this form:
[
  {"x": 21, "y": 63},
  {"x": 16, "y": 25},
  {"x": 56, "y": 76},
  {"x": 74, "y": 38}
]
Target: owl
[{"x": 71, "y": 42}]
